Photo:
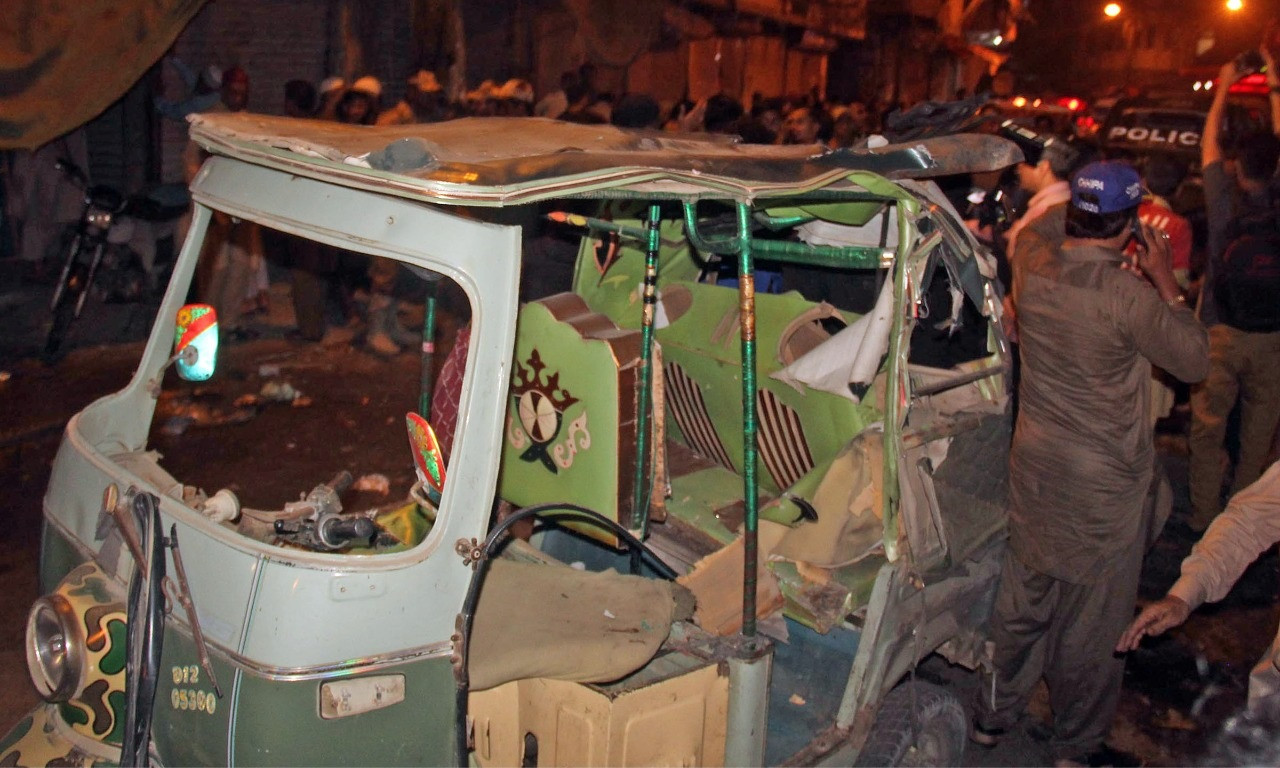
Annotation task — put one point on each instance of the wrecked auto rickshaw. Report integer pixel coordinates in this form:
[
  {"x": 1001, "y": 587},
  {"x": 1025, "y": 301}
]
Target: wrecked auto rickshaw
[{"x": 712, "y": 505}]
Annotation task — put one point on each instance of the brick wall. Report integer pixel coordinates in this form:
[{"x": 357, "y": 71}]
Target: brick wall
[{"x": 276, "y": 41}]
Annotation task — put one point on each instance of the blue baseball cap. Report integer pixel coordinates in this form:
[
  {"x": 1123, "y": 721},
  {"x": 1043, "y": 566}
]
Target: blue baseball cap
[{"x": 1106, "y": 187}]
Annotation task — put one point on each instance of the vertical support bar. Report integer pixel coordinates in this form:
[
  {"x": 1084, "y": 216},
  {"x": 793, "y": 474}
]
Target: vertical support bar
[
  {"x": 748, "y": 707},
  {"x": 894, "y": 394},
  {"x": 747, "y": 311},
  {"x": 426, "y": 377},
  {"x": 642, "y": 487}
]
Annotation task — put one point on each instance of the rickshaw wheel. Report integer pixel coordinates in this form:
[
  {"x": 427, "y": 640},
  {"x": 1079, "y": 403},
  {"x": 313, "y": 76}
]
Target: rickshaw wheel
[{"x": 919, "y": 724}]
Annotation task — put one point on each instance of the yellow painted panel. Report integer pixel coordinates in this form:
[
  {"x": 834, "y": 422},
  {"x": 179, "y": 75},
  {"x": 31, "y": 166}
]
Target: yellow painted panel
[{"x": 680, "y": 720}]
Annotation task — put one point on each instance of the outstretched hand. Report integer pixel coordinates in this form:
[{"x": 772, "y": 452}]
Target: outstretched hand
[{"x": 1163, "y": 614}]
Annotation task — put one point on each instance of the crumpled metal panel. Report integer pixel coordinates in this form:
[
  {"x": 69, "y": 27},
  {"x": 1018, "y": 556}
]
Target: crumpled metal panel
[
  {"x": 973, "y": 484},
  {"x": 491, "y": 161}
]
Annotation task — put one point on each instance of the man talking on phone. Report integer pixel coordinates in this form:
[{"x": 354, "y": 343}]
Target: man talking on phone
[{"x": 1082, "y": 460}]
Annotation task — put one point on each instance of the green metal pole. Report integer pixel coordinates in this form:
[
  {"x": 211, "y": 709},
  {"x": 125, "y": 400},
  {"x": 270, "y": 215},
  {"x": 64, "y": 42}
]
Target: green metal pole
[
  {"x": 426, "y": 377},
  {"x": 850, "y": 257},
  {"x": 747, "y": 310},
  {"x": 724, "y": 245},
  {"x": 643, "y": 481}
]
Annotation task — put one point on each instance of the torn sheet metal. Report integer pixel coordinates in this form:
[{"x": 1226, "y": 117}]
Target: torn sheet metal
[
  {"x": 985, "y": 395},
  {"x": 849, "y": 503},
  {"x": 968, "y": 273}
]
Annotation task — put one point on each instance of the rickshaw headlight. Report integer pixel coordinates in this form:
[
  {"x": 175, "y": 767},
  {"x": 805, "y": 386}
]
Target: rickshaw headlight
[{"x": 55, "y": 648}]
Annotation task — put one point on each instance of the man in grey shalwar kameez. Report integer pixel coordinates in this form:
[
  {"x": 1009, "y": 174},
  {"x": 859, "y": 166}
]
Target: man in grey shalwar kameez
[{"x": 1091, "y": 327}]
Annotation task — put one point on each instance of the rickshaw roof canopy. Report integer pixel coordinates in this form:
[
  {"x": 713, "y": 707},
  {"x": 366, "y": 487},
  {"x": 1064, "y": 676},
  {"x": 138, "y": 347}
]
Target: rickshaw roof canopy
[{"x": 513, "y": 160}]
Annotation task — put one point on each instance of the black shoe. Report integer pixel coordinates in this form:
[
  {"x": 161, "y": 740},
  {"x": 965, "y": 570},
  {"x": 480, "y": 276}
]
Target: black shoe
[{"x": 987, "y": 738}]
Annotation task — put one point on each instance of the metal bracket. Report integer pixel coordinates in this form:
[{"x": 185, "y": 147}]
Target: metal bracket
[{"x": 471, "y": 552}]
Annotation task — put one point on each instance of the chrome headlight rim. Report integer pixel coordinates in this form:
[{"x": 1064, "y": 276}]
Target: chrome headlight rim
[{"x": 55, "y": 648}]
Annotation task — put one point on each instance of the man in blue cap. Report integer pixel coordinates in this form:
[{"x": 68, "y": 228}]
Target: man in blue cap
[{"x": 1092, "y": 323}]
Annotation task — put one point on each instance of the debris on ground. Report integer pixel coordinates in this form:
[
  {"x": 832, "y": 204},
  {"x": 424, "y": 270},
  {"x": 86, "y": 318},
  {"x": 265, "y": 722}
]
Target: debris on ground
[
  {"x": 182, "y": 416},
  {"x": 374, "y": 483},
  {"x": 797, "y": 699},
  {"x": 279, "y": 392}
]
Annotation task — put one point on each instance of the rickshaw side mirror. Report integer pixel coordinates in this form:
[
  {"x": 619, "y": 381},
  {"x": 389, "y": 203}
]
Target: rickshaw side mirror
[{"x": 195, "y": 342}]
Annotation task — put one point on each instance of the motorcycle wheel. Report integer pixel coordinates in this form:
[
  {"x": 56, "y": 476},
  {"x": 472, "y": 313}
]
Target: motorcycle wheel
[{"x": 64, "y": 312}]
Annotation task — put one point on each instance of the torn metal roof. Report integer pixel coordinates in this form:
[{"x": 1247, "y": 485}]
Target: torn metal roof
[{"x": 507, "y": 160}]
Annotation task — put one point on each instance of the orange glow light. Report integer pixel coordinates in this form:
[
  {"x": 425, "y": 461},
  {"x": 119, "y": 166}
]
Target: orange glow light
[{"x": 1112, "y": 10}]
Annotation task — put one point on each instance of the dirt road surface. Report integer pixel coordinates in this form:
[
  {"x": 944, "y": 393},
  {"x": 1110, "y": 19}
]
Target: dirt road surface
[{"x": 1178, "y": 688}]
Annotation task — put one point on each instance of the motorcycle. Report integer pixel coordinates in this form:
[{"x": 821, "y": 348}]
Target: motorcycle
[{"x": 111, "y": 250}]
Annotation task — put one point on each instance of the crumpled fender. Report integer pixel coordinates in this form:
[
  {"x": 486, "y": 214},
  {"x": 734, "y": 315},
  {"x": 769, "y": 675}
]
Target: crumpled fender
[{"x": 43, "y": 738}]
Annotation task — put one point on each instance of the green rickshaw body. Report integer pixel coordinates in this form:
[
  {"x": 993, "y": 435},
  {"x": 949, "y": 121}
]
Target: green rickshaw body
[{"x": 333, "y": 657}]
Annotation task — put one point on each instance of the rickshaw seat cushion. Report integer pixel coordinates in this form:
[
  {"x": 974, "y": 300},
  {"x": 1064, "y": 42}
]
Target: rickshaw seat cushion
[{"x": 551, "y": 621}]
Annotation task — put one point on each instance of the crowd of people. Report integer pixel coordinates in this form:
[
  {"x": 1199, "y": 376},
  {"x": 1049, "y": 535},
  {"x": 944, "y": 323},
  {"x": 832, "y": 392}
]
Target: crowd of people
[
  {"x": 1098, "y": 266},
  {"x": 800, "y": 119}
]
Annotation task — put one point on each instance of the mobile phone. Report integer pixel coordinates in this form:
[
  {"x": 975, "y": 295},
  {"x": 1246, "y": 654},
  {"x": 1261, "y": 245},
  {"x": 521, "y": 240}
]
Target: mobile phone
[{"x": 1135, "y": 231}]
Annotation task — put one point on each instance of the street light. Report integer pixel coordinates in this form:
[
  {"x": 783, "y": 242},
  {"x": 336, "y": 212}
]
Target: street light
[
  {"x": 1235, "y": 5},
  {"x": 1112, "y": 10}
]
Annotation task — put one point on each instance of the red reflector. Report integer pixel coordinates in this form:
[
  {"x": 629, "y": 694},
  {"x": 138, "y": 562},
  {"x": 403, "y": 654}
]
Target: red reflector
[{"x": 1251, "y": 84}]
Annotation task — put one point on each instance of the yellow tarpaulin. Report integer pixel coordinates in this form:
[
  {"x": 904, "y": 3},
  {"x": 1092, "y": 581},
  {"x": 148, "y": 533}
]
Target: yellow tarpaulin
[{"x": 63, "y": 63}]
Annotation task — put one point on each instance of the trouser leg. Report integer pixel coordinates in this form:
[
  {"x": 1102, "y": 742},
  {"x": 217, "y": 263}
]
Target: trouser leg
[
  {"x": 1211, "y": 403},
  {"x": 1259, "y": 404},
  {"x": 231, "y": 277},
  {"x": 1083, "y": 672},
  {"x": 309, "y": 291},
  {"x": 1024, "y": 607},
  {"x": 382, "y": 275}
]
